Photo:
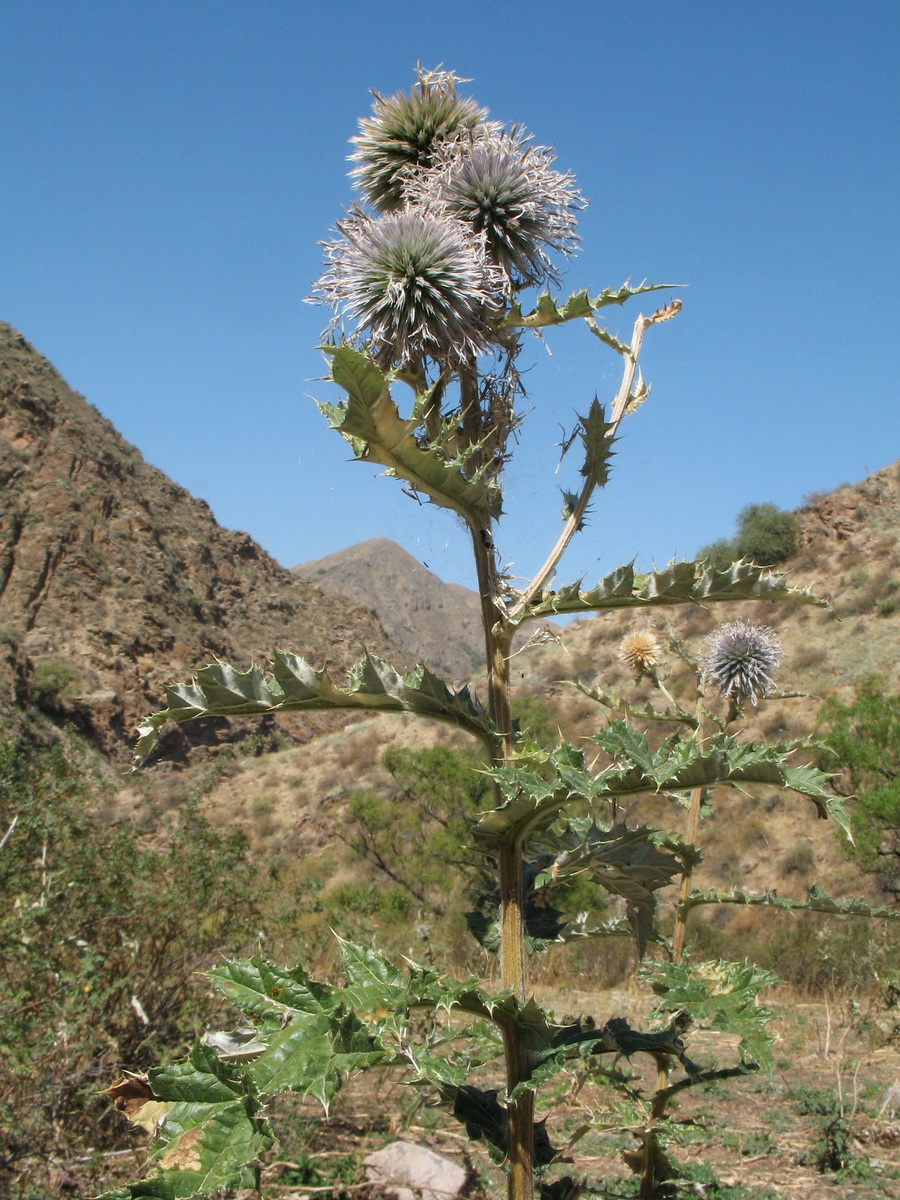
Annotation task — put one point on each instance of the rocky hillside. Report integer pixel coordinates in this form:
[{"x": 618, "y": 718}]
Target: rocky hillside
[
  {"x": 439, "y": 623},
  {"x": 114, "y": 580}
]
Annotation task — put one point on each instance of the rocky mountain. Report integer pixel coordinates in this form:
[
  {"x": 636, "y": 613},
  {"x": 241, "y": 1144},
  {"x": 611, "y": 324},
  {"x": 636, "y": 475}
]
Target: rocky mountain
[
  {"x": 114, "y": 580},
  {"x": 439, "y": 623}
]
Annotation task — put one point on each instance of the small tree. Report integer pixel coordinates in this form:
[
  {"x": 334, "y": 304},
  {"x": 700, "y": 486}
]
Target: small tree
[
  {"x": 766, "y": 534},
  {"x": 430, "y": 277}
]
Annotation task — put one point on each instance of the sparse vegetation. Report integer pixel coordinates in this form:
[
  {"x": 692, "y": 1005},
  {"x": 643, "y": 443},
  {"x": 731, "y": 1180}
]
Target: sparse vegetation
[
  {"x": 54, "y": 681},
  {"x": 102, "y": 935}
]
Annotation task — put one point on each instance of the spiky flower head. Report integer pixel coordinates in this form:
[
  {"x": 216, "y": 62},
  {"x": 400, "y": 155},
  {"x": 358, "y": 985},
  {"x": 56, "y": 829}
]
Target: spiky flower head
[
  {"x": 740, "y": 660},
  {"x": 639, "y": 651},
  {"x": 509, "y": 194},
  {"x": 406, "y": 134},
  {"x": 417, "y": 282}
]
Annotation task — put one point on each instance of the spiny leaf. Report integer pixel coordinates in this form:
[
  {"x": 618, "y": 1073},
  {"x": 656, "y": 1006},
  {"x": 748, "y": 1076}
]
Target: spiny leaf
[
  {"x": 597, "y": 441},
  {"x": 718, "y": 995},
  {"x": 630, "y": 864},
  {"x": 816, "y": 901},
  {"x": 548, "y": 311},
  {"x": 312, "y": 1040},
  {"x": 372, "y": 425},
  {"x": 211, "y": 1135},
  {"x": 486, "y": 1120},
  {"x": 583, "y": 1040},
  {"x": 610, "y": 340},
  {"x": 534, "y": 796},
  {"x": 646, "y": 711},
  {"x": 678, "y": 583},
  {"x": 220, "y": 690}
]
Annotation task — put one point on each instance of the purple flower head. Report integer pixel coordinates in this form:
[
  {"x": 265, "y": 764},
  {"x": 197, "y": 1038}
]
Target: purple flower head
[{"x": 740, "y": 660}]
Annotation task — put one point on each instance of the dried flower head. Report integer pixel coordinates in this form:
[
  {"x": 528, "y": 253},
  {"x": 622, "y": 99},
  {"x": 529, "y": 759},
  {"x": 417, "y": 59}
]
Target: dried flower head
[
  {"x": 417, "y": 281},
  {"x": 407, "y": 133},
  {"x": 508, "y": 192},
  {"x": 639, "y": 651},
  {"x": 740, "y": 660}
]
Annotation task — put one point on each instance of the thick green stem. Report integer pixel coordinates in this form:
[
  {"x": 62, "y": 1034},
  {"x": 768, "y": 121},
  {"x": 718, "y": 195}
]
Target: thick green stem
[{"x": 497, "y": 641}]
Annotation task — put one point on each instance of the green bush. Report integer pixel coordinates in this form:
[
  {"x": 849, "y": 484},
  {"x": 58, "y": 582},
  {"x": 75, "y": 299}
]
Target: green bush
[
  {"x": 765, "y": 533},
  {"x": 54, "y": 680},
  {"x": 720, "y": 554},
  {"x": 863, "y": 739}
]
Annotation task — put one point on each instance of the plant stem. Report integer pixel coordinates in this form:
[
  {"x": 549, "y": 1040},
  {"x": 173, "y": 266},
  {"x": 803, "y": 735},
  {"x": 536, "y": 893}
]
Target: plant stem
[
  {"x": 681, "y": 913},
  {"x": 497, "y": 642},
  {"x": 573, "y": 523}
]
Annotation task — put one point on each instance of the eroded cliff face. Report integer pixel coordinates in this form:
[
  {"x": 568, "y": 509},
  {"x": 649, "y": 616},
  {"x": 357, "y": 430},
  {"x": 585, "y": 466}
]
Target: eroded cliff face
[
  {"x": 867, "y": 512},
  {"x": 114, "y": 580}
]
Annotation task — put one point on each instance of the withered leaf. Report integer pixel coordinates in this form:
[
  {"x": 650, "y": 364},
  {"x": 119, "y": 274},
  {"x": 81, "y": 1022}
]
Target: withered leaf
[{"x": 132, "y": 1095}]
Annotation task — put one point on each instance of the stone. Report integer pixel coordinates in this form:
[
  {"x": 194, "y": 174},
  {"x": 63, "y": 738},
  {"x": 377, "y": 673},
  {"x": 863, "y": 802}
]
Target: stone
[{"x": 415, "y": 1172}]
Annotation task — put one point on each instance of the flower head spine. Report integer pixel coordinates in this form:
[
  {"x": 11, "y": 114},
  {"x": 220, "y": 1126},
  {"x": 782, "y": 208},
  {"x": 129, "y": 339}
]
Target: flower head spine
[{"x": 508, "y": 193}]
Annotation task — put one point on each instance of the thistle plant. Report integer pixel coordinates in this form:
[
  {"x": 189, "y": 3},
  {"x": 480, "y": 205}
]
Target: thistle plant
[{"x": 430, "y": 277}]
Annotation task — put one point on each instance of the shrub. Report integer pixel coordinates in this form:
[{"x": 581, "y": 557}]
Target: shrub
[
  {"x": 54, "y": 681},
  {"x": 864, "y": 741},
  {"x": 766, "y": 534},
  {"x": 798, "y": 859}
]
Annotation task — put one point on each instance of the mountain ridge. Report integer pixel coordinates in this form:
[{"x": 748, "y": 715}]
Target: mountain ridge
[
  {"x": 439, "y": 623},
  {"x": 114, "y": 580}
]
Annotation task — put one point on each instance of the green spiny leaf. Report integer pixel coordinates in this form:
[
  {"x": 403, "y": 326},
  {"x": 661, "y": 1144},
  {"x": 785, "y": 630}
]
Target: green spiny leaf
[
  {"x": 220, "y": 690},
  {"x": 598, "y": 441},
  {"x": 312, "y": 1040},
  {"x": 678, "y": 583},
  {"x": 373, "y": 426},
  {"x": 605, "y": 336},
  {"x": 718, "y": 995},
  {"x": 816, "y": 901},
  {"x": 548, "y": 311},
  {"x": 211, "y": 1134},
  {"x": 533, "y": 797}
]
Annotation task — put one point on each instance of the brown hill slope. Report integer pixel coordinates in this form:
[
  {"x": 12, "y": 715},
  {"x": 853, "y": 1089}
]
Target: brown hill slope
[
  {"x": 438, "y": 623},
  {"x": 114, "y": 580}
]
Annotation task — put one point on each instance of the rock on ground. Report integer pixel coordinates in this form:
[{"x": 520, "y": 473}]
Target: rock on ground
[{"x": 418, "y": 1173}]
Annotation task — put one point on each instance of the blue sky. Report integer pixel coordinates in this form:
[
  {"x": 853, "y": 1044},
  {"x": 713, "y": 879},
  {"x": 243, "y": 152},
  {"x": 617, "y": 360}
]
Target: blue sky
[{"x": 171, "y": 167}]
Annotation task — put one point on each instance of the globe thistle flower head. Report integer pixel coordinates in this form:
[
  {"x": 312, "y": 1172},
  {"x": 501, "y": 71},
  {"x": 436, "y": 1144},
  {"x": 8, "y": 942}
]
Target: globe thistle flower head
[
  {"x": 639, "y": 651},
  {"x": 406, "y": 134},
  {"x": 740, "y": 660},
  {"x": 510, "y": 195},
  {"x": 417, "y": 282}
]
